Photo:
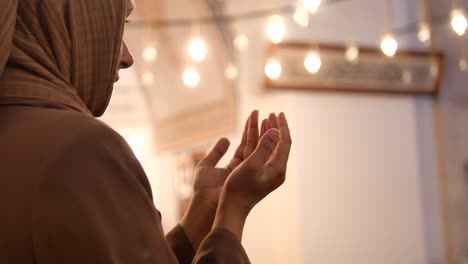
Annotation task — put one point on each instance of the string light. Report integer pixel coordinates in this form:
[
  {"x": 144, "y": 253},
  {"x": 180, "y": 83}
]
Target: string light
[
  {"x": 241, "y": 42},
  {"x": 301, "y": 15},
  {"x": 389, "y": 45},
  {"x": 276, "y": 29},
  {"x": 352, "y": 53},
  {"x": 273, "y": 69},
  {"x": 276, "y": 32},
  {"x": 231, "y": 72},
  {"x": 147, "y": 78},
  {"x": 312, "y": 5},
  {"x": 424, "y": 34},
  {"x": 197, "y": 49},
  {"x": 150, "y": 54},
  {"x": 312, "y": 62},
  {"x": 459, "y": 23},
  {"x": 191, "y": 77}
]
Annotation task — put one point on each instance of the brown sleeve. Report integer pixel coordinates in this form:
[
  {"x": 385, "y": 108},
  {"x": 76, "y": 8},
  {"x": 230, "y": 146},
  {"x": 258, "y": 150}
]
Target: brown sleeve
[
  {"x": 181, "y": 245},
  {"x": 221, "y": 246},
  {"x": 93, "y": 205}
]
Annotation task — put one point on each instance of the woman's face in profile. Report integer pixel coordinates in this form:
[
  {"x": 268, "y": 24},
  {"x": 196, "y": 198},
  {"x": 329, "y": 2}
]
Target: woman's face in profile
[
  {"x": 125, "y": 57},
  {"x": 125, "y": 60}
]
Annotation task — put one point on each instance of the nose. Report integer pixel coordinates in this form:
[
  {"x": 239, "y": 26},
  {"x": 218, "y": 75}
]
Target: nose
[{"x": 126, "y": 59}]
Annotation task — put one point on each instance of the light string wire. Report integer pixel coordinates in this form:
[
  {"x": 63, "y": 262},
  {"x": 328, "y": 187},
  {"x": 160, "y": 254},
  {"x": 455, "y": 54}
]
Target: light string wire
[{"x": 264, "y": 13}]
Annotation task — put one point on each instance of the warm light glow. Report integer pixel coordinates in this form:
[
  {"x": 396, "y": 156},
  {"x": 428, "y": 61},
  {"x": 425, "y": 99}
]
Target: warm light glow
[
  {"x": 147, "y": 78},
  {"x": 312, "y": 5},
  {"x": 197, "y": 49},
  {"x": 434, "y": 69},
  {"x": 389, "y": 45},
  {"x": 463, "y": 64},
  {"x": 407, "y": 77},
  {"x": 191, "y": 77},
  {"x": 150, "y": 54},
  {"x": 241, "y": 42},
  {"x": 424, "y": 34},
  {"x": 301, "y": 16},
  {"x": 352, "y": 53},
  {"x": 459, "y": 22},
  {"x": 273, "y": 69},
  {"x": 231, "y": 72},
  {"x": 276, "y": 29},
  {"x": 137, "y": 141},
  {"x": 312, "y": 63}
]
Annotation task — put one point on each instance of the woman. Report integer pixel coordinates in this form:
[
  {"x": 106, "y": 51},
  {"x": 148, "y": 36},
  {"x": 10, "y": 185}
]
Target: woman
[{"x": 71, "y": 191}]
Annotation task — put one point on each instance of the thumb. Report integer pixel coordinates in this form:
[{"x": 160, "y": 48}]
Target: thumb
[
  {"x": 215, "y": 155},
  {"x": 265, "y": 147}
]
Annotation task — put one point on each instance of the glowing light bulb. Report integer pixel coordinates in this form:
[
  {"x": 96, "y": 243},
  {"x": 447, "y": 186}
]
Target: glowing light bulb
[
  {"x": 147, "y": 78},
  {"x": 463, "y": 64},
  {"x": 197, "y": 49},
  {"x": 231, "y": 72},
  {"x": 424, "y": 34},
  {"x": 273, "y": 69},
  {"x": 137, "y": 141},
  {"x": 191, "y": 77},
  {"x": 241, "y": 42},
  {"x": 459, "y": 23},
  {"x": 389, "y": 45},
  {"x": 301, "y": 16},
  {"x": 312, "y": 5},
  {"x": 352, "y": 53},
  {"x": 150, "y": 54},
  {"x": 276, "y": 29},
  {"x": 312, "y": 62}
]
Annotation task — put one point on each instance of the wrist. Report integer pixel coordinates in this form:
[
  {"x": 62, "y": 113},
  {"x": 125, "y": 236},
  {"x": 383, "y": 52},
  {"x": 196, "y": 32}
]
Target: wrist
[
  {"x": 197, "y": 220},
  {"x": 231, "y": 215}
]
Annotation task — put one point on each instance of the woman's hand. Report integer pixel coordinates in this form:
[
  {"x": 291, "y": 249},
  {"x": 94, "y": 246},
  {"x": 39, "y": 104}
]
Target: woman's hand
[
  {"x": 209, "y": 181},
  {"x": 258, "y": 175}
]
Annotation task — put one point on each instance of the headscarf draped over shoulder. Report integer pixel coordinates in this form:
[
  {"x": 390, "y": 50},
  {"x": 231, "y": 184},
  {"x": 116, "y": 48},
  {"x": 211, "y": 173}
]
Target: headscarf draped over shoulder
[{"x": 61, "y": 51}]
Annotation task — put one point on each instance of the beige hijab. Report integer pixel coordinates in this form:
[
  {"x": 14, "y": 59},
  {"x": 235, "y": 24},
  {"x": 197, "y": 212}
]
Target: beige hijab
[{"x": 60, "y": 51}]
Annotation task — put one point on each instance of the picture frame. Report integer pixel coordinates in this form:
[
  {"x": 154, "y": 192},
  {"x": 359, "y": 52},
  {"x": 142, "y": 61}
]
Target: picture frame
[{"x": 407, "y": 73}]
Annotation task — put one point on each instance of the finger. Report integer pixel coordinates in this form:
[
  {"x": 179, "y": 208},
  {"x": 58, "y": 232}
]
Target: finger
[
  {"x": 267, "y": 125},
  {"x": 280, "y": 156},
  {"x": 265, "y": 147},
  {"x": 239, "y": 154},
  {"x": 273, "y": 120},
  {"x": 263, "y": 128},
  {"x": 252, "y": 134},
  {"x": 215, "y": 155}
]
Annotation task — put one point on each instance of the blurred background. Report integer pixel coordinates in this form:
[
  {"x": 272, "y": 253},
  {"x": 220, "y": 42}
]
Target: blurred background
[{"x": 379, "y": 167}]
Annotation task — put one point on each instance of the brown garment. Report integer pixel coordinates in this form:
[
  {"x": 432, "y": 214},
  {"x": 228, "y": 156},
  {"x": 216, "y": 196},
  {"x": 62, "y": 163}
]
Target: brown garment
[{"x": 71, "y": 190}]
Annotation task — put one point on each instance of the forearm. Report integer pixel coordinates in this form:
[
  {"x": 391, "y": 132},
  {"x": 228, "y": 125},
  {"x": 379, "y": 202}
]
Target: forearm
[
  {"x": 231, "y": 216},
  {"x": 197, "y": 221}
]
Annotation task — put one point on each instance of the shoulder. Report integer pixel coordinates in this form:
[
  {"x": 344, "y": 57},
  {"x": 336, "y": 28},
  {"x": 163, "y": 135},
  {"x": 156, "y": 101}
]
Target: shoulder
[
  {"x": 74, "y": 133},
  {"x": 86, "y": 149},
  {"x": 77, "y": 126}
]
